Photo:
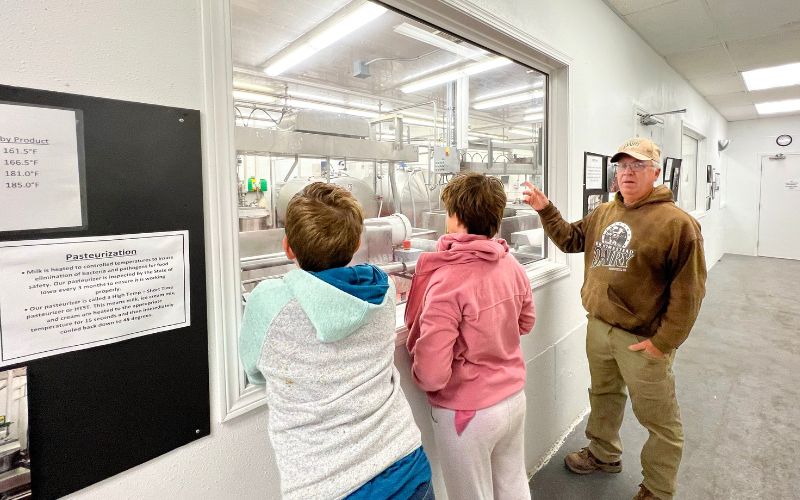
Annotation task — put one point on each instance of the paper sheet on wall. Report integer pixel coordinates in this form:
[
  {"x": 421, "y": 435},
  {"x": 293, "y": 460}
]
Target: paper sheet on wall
[
  {"x": 594, "y": 172},
  {"x": 62, "y": 295},
  {"x": 40, "y": 155}
]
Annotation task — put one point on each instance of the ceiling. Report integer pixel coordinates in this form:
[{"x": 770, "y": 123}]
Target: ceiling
[
  {"x": 263, "y": 28},
  {"x": 710, "y": 42}
]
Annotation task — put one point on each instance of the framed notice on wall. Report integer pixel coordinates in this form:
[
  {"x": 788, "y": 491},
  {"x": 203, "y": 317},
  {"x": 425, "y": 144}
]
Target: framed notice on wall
[
  {"x": 673, "y": 165},
  {"x": 42, "y": 182},
  {"x": 595, "y": 180},
  {"x": 594, "y": 171},
  {"x": 61, "y": 295}
]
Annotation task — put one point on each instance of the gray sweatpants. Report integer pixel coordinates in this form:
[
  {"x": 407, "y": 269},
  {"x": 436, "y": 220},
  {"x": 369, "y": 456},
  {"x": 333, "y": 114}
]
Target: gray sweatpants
[{"x": 487, "y": 461}]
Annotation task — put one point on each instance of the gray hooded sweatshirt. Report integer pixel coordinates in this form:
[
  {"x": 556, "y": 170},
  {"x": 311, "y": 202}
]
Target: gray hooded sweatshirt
[{"x": 337, "y": 414}]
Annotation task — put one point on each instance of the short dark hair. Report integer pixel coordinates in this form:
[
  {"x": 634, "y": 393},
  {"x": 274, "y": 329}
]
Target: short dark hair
[
  {"x": 477, "y": 200},
  {"x": 323, "y": 226}
]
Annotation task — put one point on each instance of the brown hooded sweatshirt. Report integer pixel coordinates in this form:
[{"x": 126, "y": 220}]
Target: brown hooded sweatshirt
[{"x": 645, "y": 269}]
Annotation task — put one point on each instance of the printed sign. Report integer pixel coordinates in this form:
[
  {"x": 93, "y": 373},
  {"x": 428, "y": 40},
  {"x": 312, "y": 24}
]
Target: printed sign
[
  {"x": 62, "y": 295},
  {"x": 40, "y": 165},
  {"x": 594, "y": 172}
]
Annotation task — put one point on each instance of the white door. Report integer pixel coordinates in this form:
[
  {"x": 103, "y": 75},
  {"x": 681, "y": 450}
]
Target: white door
[{"x": 778, "y": 225}]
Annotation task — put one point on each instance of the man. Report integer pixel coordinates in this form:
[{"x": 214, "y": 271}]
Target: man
[{"x": 644, "y": 280}]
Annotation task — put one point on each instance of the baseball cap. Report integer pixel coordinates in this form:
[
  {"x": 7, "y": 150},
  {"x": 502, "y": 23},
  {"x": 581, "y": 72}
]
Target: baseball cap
[{"x": 639, "y": 148}]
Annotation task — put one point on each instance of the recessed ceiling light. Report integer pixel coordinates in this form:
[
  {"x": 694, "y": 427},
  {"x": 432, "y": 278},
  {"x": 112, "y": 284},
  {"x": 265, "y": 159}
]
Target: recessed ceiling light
[
  {"x": 438, "y": 41},
  {"x": 510, "y": 99},
  {"x": 775, "y": 107},
  {"x": 776, "y": 76},
  {"x": 324, "y": 34},
  {"x": 535, "y": 117},
  {"x": 449, "y": 76}
]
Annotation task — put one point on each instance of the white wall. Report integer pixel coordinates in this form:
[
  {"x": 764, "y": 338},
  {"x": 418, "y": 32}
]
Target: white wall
[
  {"x": 750, "y": 140},
  {"x": 151, "y": 51},
  {"x": 147, "y": 51}
]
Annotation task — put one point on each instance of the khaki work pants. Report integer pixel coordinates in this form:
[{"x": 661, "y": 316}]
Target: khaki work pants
[{"x": 651, "y": 384}]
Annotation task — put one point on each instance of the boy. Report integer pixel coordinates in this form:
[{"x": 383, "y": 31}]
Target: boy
[
  {"x": 322, "y": 339},
  {"x": 468, "y": 305}
]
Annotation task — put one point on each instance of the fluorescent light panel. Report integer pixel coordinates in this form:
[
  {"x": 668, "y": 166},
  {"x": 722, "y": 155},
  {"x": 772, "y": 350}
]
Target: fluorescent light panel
[
  {"x": 521, "y": 131},
  {"x": 323, "y": 35},
  {"x": 442, "y": 67},
  {"x": 776, "y": 76},
  {"x": 332, "y": 100},
  {"x": 438, "y": 41},
  {"x": 468, "y": 70},
  {"x": 515, "y": 90},
  {"x": 299, "y": 103},
  {"x": 510, "y": 99},
  {"x": 775, "y": 107},
  {"x": 535, "y": 117},
  {"x": 484, "y": 135}
]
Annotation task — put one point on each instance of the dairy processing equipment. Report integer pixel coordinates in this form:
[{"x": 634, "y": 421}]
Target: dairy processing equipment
[{"x": 398, "y": 185}]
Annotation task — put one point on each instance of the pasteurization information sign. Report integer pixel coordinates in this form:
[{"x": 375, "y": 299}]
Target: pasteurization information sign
[
  {"x": 40, "y": 168},
  {"x": 62, "y": 295}
]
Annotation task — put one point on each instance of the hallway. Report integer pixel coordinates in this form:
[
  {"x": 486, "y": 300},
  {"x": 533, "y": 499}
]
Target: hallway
[{"x": 738, "y": 384}]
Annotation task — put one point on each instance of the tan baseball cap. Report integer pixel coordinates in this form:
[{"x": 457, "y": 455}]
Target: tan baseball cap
[{"x": 640, "y": 148}]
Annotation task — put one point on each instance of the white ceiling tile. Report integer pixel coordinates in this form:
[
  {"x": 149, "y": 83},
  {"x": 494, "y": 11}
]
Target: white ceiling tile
[
  {"x": 625, "y": 7},
  {"x": 719, "y": 84},
  {"x": 742, "y": 19},
  {"x": 675, "y": 27},
  {"x": 732, "y": 99},
  {"x": 707, "y": 61},
  {"x": 762, "y": 52},
  {"x": 736, "y": 113}
]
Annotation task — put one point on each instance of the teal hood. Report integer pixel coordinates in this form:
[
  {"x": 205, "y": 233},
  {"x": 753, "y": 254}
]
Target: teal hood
[{"x": 334, "y": 313}]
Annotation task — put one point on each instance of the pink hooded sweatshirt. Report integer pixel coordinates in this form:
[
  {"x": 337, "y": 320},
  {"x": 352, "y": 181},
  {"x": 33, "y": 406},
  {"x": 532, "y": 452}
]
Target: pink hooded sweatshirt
[{"x": 468, "y": 305}]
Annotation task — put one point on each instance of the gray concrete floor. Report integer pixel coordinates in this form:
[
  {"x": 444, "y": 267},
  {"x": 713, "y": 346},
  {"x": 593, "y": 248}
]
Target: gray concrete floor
[{"x": 738, "y": 383}]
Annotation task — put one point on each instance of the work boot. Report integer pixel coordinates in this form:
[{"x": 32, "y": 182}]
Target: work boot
[
  {"x": 583, "y": 462},
  {"x": 644, "y": 494}
]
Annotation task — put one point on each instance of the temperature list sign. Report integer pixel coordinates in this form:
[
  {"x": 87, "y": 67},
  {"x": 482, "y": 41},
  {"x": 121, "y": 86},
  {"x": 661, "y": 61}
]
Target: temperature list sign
[
  {"x": 41, "y": 154},
  {"x": 61, "y": 295}
]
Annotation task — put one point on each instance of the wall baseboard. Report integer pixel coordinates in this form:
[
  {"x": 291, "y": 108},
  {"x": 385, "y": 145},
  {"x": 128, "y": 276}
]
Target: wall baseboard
[{"x": 557, "y": 445}]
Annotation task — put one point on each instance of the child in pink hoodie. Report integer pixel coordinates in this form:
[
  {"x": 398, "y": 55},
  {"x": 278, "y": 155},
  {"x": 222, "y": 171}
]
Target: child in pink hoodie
[{"x": 469, "y": 303}]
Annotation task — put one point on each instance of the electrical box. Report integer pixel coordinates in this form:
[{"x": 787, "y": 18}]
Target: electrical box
[{"x": 446, "y": 160}]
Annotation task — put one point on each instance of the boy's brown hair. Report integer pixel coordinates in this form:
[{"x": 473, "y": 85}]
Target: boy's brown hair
[
  {"x": 323, "y": 226},
  {"x": 477, "y": 200}
]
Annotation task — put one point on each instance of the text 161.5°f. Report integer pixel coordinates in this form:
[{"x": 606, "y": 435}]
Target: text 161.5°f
[
  {"x": 19, "y": 151},
  {"x": 21, "y": 163},
  {"x": 21, "y": 185},
  {"x": 22, "y": 173}
]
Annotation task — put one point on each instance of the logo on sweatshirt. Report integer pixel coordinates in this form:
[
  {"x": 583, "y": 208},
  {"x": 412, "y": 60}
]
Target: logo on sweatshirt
[{"x": 612, "y": 250}]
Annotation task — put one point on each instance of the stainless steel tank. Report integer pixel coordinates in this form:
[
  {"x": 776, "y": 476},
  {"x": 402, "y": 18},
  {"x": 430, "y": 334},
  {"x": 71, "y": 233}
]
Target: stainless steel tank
[
  {"x": 361, "y": 190},
  {"x": 253, "y": 219},
  {"x": 415, "y": 196}
]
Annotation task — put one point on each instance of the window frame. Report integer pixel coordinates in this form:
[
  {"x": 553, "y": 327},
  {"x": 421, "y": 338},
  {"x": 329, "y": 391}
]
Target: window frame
[
  {"x": 461, "y": 18},
  {"x": 688, "y": 130}
]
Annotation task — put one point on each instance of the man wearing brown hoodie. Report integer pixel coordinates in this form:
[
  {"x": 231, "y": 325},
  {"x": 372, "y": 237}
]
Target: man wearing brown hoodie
[{"x": 644, "y": 280}]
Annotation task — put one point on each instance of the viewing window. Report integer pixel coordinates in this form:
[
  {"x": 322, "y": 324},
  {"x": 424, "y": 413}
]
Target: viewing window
[{"x": 390, "y": 108}]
